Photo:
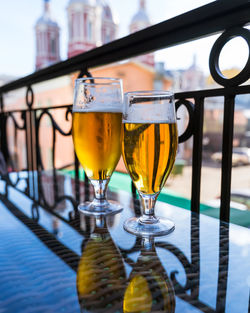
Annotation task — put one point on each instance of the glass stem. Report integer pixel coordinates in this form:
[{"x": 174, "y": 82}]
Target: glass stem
[
  {"x": 148, "y": 243},
  {"x": 100, "y": 189},
  {"x": 100, "y": 222},
  {"x": 148, "y": 206}
]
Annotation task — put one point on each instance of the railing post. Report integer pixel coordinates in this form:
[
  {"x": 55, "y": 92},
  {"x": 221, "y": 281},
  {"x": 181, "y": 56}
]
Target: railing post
[
  {"x": 197, "y": 154},
  {"x": 3, "y": 138},
  {"x": 31, "y": 145},
  {"x": 228, "y": 132},
  {"x": 77, "y": 182},
  {"x": 1, "y": 103}
]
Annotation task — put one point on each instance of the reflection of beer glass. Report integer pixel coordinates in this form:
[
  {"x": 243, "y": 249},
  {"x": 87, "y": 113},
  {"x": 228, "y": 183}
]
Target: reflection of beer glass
[
  {"x": 149, "y": 150},
  {"x": 101, "y": 273},
  {"x": 149, "y": 288},
  {"x": 97, "y": 116}
]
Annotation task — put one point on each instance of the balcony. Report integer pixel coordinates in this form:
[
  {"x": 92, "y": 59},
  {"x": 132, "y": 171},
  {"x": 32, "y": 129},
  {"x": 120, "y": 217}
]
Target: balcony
[{"x": 41, "y": 167}]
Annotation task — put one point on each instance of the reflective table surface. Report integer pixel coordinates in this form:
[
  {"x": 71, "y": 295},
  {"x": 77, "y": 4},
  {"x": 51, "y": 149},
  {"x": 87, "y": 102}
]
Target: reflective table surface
[{"x": 54, "y": 260}]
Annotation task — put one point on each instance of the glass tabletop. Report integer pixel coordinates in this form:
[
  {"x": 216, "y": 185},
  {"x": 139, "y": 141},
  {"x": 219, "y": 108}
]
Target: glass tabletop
[{"x": 54, "y": 260}]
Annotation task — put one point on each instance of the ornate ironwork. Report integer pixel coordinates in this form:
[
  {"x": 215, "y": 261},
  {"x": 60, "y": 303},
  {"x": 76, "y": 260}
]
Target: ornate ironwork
[
  {"x": 29, "y": 97},
  {"x": 229, "y": 104},
  {"x": 214, "y": 17},
  {"x": 215, "y": 71},
  {"x": 55, "y": 128},
  {"x": 1, "y": 102},
  {"x": 190, "y": 109},
  {"x": 17, "y": 128}
]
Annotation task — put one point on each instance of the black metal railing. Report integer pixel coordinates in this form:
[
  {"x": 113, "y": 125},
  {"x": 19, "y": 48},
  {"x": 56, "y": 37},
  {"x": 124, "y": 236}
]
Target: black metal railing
[{"x": 229, "y": 17}]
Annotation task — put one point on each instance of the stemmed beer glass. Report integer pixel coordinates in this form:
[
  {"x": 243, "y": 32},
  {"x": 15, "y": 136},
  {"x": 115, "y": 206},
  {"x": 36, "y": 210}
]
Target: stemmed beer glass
[
  {"x": 149, "y": 149},
  {"x": 97, "y": 127}
]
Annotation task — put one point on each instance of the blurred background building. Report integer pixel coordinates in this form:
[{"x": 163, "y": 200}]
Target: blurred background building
[
  {"x": 47, "y": 39},
  {"x": 92, "y": 23}
]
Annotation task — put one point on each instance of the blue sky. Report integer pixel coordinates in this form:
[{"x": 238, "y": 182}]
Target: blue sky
[{"x": 17, "y": 36}]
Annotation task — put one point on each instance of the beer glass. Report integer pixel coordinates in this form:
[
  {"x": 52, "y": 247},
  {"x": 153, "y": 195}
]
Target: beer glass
[
  {"x": 149, "y": 148},
  {"x": 97, "y": 127}
]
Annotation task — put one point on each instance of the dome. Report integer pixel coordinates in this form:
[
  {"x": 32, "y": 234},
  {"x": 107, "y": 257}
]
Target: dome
[
  {"x": 46, "y": 18},
  {"x": 107, "y": 13},
  {"x": 141, "y": 16}
]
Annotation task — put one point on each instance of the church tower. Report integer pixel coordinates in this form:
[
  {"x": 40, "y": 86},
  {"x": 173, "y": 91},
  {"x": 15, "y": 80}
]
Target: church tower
[
  {"x": 84, "y": 23},
  {"x": 47, "y": 39},
  {"x": 140, "y": 21},
  {"x": 109, "y": 23},
  {"x": 91, "y": 23}
]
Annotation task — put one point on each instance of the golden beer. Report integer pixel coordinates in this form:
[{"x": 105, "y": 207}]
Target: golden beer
[
  {"x": 149, "y": 152},
  {"x": 97, "y": 142}
]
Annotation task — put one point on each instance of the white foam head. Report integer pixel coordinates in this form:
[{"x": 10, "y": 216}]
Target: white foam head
[
  {"x": 98, "y": 94},
  {"x": 149, "y": 107},
  {"x": 98, "y": 108}
]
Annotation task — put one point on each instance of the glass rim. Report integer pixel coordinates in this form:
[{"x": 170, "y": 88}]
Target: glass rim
[
  {"x": 149, "y": 93},
  {"x": 109, "y": 81}
]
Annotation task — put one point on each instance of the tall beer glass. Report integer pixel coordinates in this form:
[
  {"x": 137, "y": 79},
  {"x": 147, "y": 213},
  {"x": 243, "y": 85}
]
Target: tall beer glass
[
  {"x": 149, "y": 149},
  {"x": 97, "y": 127}
]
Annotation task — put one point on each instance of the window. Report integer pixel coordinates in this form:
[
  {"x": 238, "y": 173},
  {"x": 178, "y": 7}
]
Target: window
[
  {"x": 107, "y": 36},
  {"x": 89, "y": 30},
  {"x": 77, "y": 22},
  {"x": 53, "y": 45}
]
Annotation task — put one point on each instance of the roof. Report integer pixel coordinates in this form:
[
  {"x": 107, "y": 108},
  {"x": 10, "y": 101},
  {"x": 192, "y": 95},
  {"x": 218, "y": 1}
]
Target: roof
[
  {"x": 141, "y": 16},
  {"x": 46, "y": 18},
  {"x": 107, "y": 12}
]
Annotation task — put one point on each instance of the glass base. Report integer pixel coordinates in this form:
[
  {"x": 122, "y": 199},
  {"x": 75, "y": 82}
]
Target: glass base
[
  {"x": 94, "y": 209},
  {"x": 159, "y": 227}
]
